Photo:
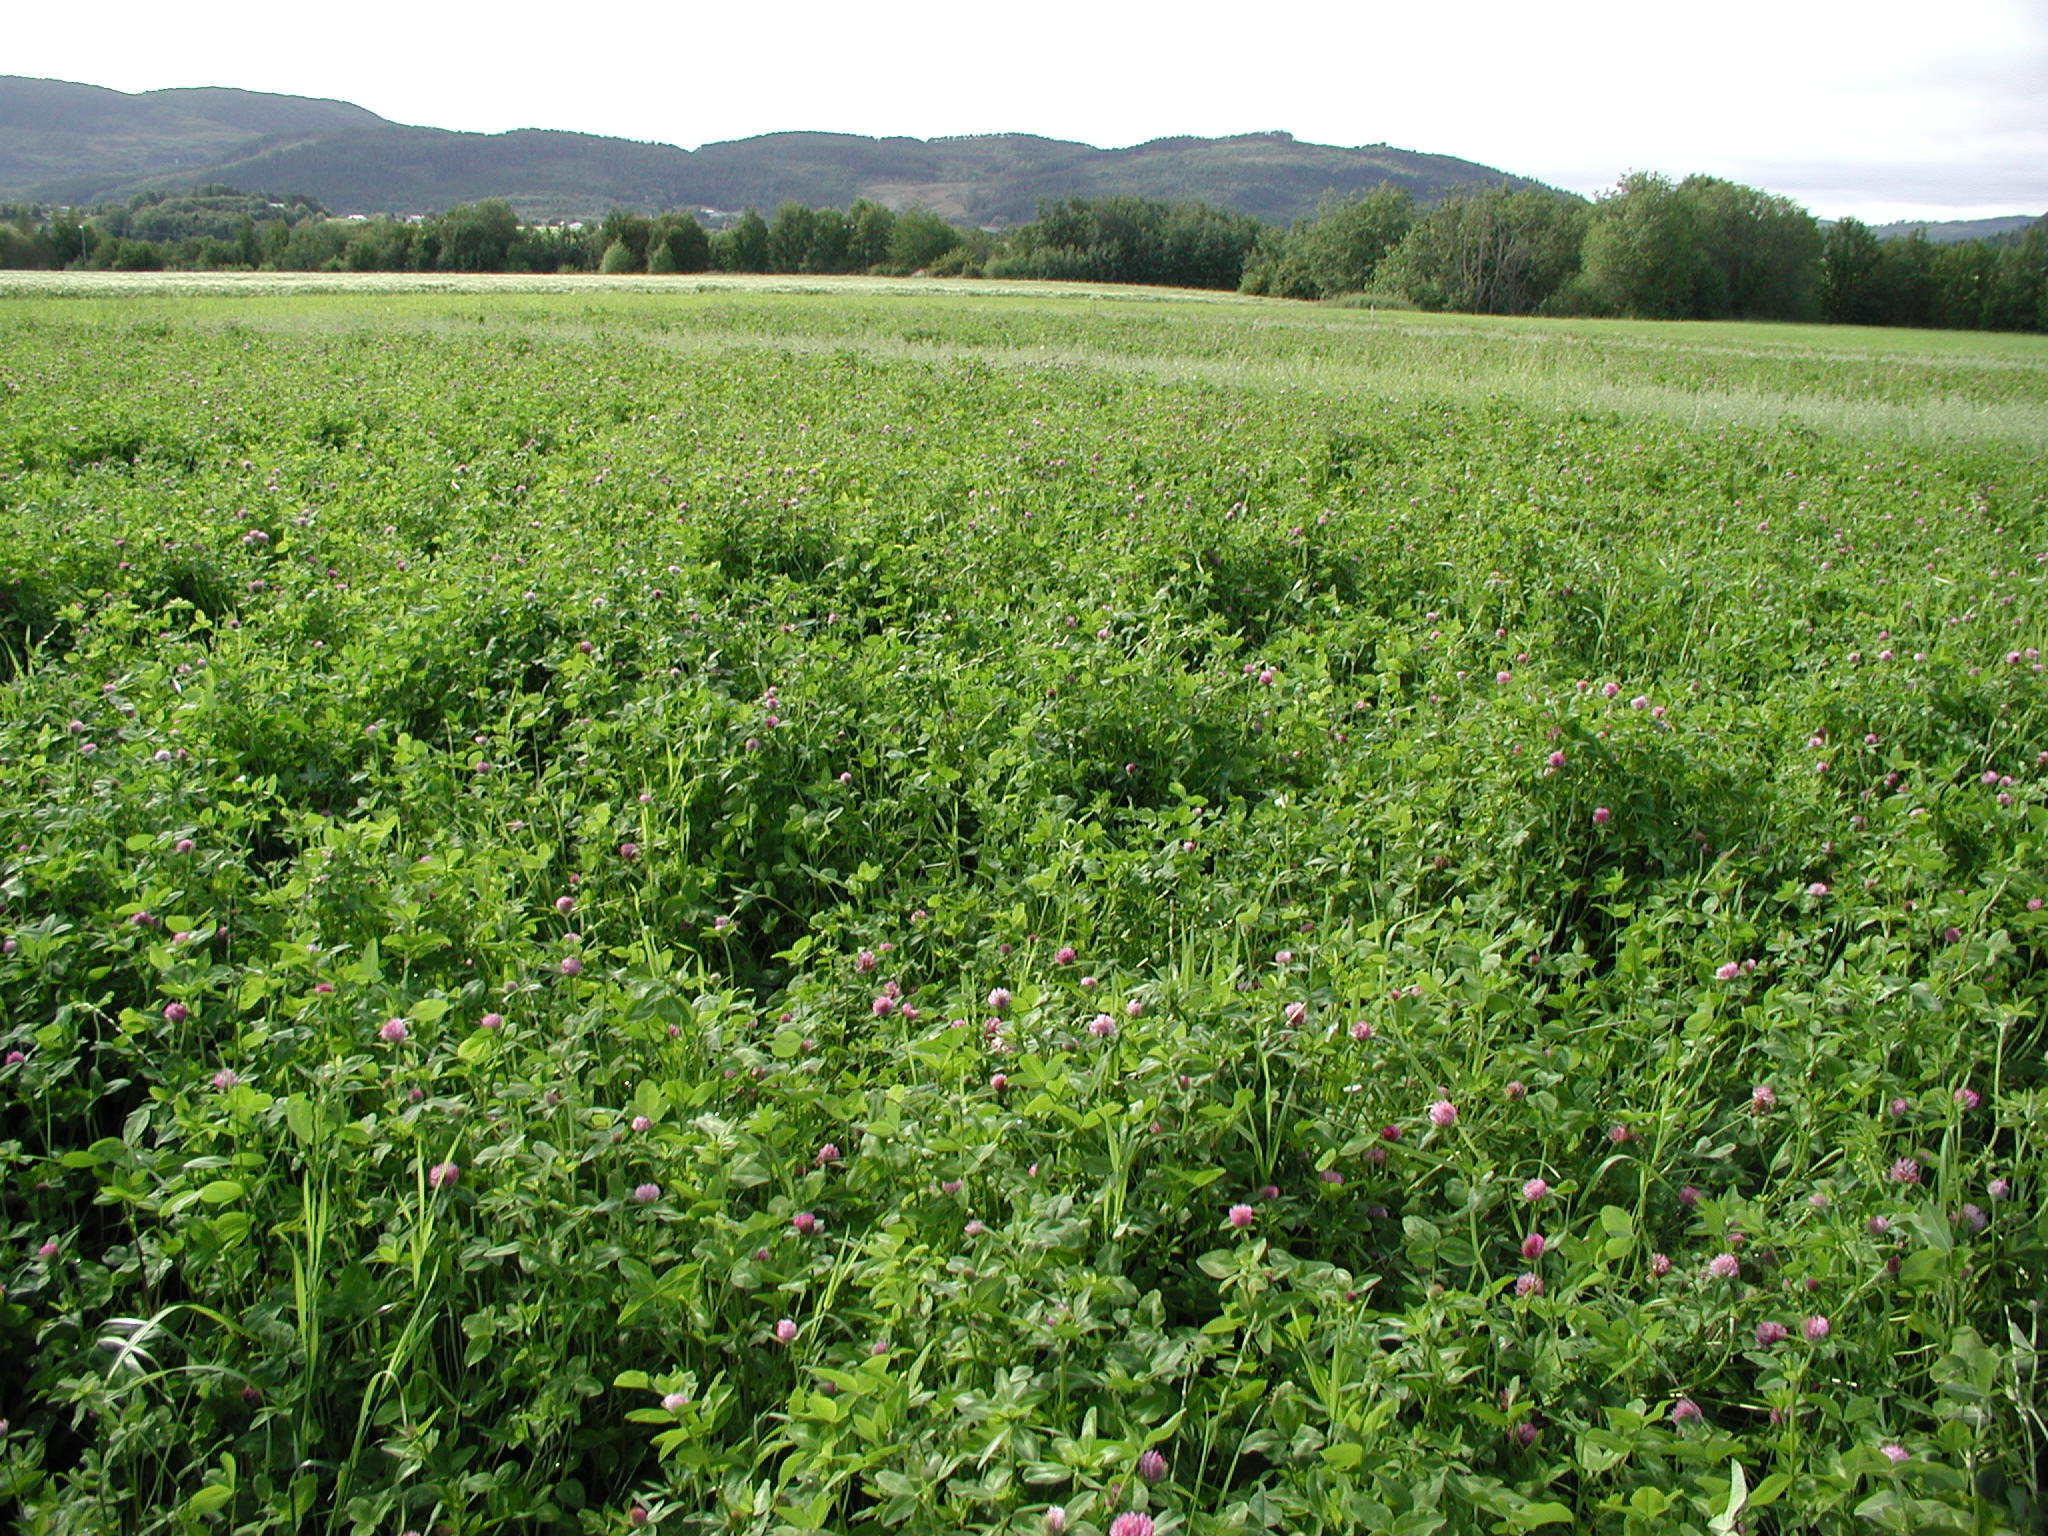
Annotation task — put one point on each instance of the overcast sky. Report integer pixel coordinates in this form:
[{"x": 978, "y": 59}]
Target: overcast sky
[{"x": 1873, "y": 108}]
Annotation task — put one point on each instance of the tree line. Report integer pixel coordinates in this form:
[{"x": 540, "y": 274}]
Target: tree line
[
  {"x": 1701, "y": 248},
  {"x": 219, "y": 229},
  {"x": 1698, "y": 249}
]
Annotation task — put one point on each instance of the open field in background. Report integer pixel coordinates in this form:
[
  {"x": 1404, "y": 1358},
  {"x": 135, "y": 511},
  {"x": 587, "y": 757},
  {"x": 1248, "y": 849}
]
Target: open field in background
[
  {"x": 130, "y": 285},
  {"x": 776, "y": 906},
  {"x": 1919, "y": 386}
]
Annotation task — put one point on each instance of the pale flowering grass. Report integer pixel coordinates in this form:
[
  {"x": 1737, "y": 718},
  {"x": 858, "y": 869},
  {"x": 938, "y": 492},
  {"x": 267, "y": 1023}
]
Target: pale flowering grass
[{"x": 1938, "y": 386}]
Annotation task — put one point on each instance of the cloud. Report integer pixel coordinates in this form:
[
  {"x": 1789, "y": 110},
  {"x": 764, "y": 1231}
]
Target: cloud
[{"x": 1834, "y": 190}]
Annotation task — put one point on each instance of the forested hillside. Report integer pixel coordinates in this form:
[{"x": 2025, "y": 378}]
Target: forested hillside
[{"x": 79, "y": 144}]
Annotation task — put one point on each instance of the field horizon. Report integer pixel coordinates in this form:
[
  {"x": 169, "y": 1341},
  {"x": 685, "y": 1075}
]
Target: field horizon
[{"x": 1927, "y": 385}]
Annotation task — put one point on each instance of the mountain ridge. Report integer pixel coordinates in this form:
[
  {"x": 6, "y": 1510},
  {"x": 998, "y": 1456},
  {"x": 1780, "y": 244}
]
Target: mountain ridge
[
  {"x": 1951, "y": 231},
  {"x": 66, "y": 142}
]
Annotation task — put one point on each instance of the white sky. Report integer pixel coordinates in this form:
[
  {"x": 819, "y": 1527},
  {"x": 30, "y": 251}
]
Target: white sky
[{"x": 1872, "y": 108}]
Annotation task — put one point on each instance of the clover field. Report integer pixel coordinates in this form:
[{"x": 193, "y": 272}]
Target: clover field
[{"x": 899, "y": 907}]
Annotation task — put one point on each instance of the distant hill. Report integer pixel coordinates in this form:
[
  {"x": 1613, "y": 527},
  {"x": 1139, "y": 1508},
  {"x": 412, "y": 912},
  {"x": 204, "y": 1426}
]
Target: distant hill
[
  {"x": 61, "y": 142},
  {"x": 1955, "y": 230},
  {"x": 67, "y": 143},
  {"x": 2016, "y": 236}
]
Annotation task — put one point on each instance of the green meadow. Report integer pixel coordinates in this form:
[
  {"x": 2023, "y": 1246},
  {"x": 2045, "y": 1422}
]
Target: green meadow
[{"x": 799, "y": 905}]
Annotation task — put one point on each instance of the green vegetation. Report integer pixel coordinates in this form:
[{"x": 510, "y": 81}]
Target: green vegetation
[
  {"x": 1421, "y": 231},
  {"x": 1990, "y": 284},
  {"x": 1129, "y": 240},
  {"x": 217, "y": 229},
  {"x": 1337, "y": 253},
  {"x": 1699, "y": 249},
  {"x": 795, "y": 905}
]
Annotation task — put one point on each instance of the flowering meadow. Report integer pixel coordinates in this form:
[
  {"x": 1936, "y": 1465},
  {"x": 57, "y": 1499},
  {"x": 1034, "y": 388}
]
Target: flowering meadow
[{"x": 765, "y": 912}]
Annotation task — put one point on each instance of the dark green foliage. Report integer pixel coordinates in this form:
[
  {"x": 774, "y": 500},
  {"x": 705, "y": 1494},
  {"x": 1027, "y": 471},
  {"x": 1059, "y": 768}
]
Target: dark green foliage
[
  {"x": 679, "y": 244},
  {"x": 623, "y": 227},
  {"x": 1703, "y": 249},
  {"x": 743, "y": 246},
  {"x": 789, "y": 237},
  {"x": 1760, "y": 252},
  {"x": 1997, "y": 284},
  {"x": 380, "y": 245},
  {"x": 1853, "y": 277},
  {"x": 117, "y": 255},
  {"x": 220, "y": 212},
  {"x": 1645, "y": 253},
  {"x": 317, "y": 246},
  {"x": 918, "y": 239},
  {"x": 1503, "y": 252},
  {"x": 828, "y": 251},
  {"x": 209, "y": 227},
  {"x": 870, "y": 230},
  {"x": 1130, "y": 240},
  {"x": 1337, "y": 252}
]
